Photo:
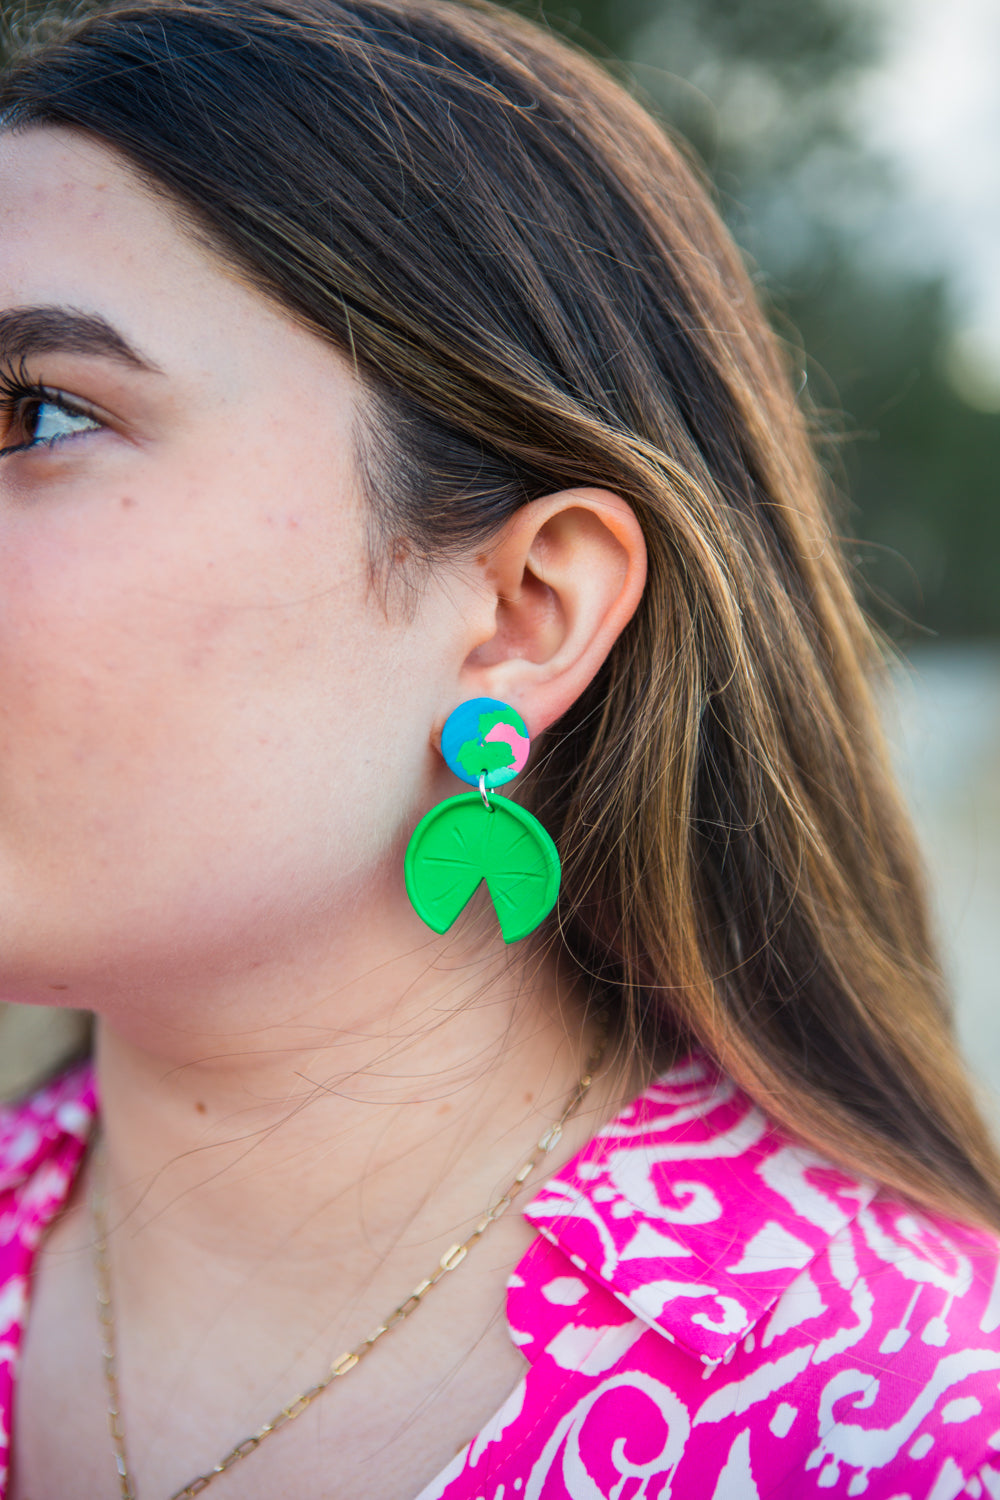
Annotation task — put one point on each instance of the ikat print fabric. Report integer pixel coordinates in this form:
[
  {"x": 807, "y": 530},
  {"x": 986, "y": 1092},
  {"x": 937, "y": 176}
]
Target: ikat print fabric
[
  {"x": 708, "y": 1312},
  {"x": 42, "y": 1142}
]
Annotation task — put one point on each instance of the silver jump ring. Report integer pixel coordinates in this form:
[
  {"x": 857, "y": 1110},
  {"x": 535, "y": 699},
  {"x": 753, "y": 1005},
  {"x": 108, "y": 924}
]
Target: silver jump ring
[{"x": 482, "y": 792}]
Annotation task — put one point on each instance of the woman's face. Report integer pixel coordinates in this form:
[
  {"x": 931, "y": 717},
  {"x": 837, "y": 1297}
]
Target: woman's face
[{"x": 213, "y": 738}]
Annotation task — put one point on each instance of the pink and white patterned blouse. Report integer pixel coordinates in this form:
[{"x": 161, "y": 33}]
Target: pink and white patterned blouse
[{"x": 709, "y": 1312}]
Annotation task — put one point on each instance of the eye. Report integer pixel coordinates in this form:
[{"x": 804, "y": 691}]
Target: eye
[
  {"x": 50, "y": 421},
  {"x": 41, "y": 419}
]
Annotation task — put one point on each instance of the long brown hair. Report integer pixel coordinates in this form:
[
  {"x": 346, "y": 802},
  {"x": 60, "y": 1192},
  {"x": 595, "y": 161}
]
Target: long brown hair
[{"x": 539, "y": 293}]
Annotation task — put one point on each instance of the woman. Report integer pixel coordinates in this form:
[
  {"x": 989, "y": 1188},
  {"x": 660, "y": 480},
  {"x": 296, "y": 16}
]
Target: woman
[{"x": 362, "y": 360}]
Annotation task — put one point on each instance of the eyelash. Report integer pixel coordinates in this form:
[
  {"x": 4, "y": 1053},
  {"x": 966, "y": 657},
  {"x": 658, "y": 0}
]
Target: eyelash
[{"x": 17, "y": 390}]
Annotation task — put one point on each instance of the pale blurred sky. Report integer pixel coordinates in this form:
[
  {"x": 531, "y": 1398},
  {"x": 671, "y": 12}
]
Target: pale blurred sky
[{"x": 934, "y": 108}]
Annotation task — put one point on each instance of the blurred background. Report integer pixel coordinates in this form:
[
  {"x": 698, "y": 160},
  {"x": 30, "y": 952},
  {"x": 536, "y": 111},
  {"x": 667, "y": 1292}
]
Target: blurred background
[{"x": 855, "y": 150}]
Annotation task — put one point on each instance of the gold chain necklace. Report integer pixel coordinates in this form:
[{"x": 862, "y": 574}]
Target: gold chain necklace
[{"x": 450, "y": 1260}]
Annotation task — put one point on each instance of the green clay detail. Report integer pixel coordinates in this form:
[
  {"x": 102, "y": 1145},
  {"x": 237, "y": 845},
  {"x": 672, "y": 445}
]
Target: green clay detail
[
  {"x": 458, "y": 844},
  {"x": 475, "y": 757}
]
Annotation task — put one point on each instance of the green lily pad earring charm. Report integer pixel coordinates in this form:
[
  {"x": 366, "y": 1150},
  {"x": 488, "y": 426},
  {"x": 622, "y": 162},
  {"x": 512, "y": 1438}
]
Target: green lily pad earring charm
[{"x": 476, "y": 837}]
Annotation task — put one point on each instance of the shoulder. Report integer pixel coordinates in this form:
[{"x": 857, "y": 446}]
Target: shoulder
[
  {"x": 712, "y": 1298},
  {"x": 701, "y": 1216}
]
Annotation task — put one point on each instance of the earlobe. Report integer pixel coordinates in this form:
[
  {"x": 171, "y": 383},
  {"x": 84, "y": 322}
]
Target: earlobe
[{"x": 568, "y": 573}]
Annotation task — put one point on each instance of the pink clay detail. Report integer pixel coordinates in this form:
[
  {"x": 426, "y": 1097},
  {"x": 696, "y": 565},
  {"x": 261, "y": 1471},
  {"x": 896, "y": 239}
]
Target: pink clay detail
[{"x": 519, "y": 743}]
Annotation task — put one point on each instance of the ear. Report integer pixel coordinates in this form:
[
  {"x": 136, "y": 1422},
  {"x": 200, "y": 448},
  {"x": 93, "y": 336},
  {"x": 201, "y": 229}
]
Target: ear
[{"x": 560, "y": 584}]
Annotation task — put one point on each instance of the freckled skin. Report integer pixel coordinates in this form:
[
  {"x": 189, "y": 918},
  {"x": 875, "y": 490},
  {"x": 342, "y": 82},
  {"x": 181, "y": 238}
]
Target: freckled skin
[{"x": 197, "y": 755}]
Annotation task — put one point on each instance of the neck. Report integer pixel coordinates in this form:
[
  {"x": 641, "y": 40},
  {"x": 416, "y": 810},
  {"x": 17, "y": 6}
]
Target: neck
[
  {"x": 372, "y": 1128},
  {"x": 272, "y": 1195}
]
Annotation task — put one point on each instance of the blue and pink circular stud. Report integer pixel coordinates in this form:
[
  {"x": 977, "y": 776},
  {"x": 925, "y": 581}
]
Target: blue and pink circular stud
[{"x": 485, "y": 738}]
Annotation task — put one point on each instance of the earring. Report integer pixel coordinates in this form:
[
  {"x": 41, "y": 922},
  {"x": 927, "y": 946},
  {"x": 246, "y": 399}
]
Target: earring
[{"x": 476, "y": 837}]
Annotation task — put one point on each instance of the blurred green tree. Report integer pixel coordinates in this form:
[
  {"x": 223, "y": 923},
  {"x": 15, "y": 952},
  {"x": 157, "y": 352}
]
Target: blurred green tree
[{"x": 765, "y": 92}]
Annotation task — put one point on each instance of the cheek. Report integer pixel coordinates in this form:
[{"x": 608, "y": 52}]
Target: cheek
[
  {"x": 169, "y": 720},
  {"x": 73, "y": 653}
]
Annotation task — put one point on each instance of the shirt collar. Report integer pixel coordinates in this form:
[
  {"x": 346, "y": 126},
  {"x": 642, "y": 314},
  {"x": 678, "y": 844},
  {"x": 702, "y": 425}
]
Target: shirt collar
[{"x": 695, "y": 1211}]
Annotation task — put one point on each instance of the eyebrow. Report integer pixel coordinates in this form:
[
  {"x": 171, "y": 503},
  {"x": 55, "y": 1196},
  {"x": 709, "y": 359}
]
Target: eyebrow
[{"x": 26, "y": 331}]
